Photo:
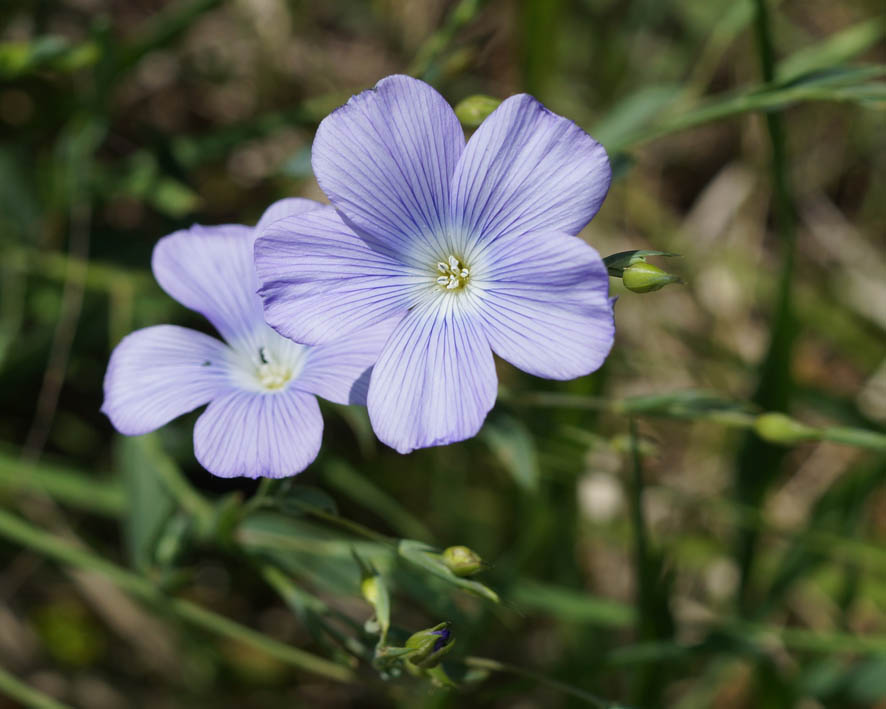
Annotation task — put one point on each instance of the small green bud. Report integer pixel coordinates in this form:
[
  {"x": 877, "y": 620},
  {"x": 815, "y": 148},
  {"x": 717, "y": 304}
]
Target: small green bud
[
  {"x": 780, "y": 428},
  {"x": 369, "y": 589},
  {"x": 642, "y": 277},
  {"x": 462, "y": 561},
  {"x": 429, "y": 646},
  {"x": 473, "y": 110}
]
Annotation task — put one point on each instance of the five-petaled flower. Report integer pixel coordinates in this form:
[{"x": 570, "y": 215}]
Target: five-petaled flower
[
  {"x": 263, "y": 418},
  {"x": 469, "y": 249}
]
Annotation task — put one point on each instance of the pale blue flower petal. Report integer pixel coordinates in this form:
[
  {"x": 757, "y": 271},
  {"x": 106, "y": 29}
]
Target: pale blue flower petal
[
  {"x": 210, "y": 270},
  {"x": 288, "y": 207},
  {"x": 249, "y": 434},
  {"x": 320, "y": 281},
  {"x": 385, "y": 160},
  {"x": 545, "y": 304},
  {"x": 340, "y": 371},
  {"x": 159, "y": 373},
  {"x": 526, "y": 169},
  {"x": 435, "y": 380}
]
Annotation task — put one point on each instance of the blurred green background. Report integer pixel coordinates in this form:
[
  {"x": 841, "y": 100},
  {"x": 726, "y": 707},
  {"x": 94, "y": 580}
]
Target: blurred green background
[{"x": 649, "y": 547}]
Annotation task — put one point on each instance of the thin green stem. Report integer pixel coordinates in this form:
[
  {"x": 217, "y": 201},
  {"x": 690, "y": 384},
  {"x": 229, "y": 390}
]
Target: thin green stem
[
  {"x": 262, "y": 492},
  {"x": 25, "y": 694},
  {"x": 855, "y": 437},
  {"x": 65, "y": 485},
  {"x": 733, "y": 418},
  {"x": 300, "y": 601},
  {"x": 759, "y": 461},
  {"x": 485, "y": 663},
  {"x": 63, "y": 551},
  {"x": 638, "y": 522},
  {"x": 353, "y": 527}
]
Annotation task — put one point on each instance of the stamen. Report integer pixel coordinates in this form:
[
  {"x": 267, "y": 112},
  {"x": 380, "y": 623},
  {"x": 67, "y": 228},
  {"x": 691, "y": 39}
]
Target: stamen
[
  {"x": 271, "y": 375},
  {"x": 455, "y": 274}
]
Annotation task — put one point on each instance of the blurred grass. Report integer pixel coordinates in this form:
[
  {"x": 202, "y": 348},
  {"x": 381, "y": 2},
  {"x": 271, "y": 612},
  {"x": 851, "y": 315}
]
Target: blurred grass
[{"x": 120, "y": 123}]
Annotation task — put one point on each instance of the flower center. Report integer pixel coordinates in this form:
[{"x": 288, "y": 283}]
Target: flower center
[
  {"x": 453, "y": 274},
  {"x": 272, "y": 374}
]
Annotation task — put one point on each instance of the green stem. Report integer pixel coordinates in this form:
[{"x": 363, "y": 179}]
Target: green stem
[
  {"x": 26, "y": 695},
  {"x": 353, "y": 527},
  {"x": 485, "y": 663},
  {"x": 758, "y": 461},
  {"x": 300, "y": 601},
  {"x": 262, "y": 492},
  {"x": 638, "y": 522},
  {"x": 855, "y": 437},
  {"x": 65, "y": 485},
  {"x": 65, "y": 552},
  {"x": 858, "y": 437}
]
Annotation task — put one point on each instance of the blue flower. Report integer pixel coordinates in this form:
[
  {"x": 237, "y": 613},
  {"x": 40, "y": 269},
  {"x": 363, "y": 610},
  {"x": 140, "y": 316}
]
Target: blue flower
[
  {"x": 469, "y": 249},
  {"x": 263, "y": 418}
]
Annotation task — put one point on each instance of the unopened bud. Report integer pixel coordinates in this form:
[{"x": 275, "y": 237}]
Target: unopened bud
[
  {"x": 780, "y": 428},
  {"x": 430, "y": 645},
  {"x": 642, "y": 277},
  {"x": 473, "y": 110},
  {"x": 369, "y": 589},
  {"x": 462, "y": 561}
]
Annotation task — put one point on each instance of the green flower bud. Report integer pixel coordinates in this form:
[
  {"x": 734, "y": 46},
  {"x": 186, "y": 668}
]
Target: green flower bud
[
  {"x": 430, "y": 645},
  {"x": 780, "y": 428},
  {"x": 369, "y": 589},
  {"x": 642, "y": 277},
  {"x": 473, "y": 110},
  {"x": 462, "y": 561}
]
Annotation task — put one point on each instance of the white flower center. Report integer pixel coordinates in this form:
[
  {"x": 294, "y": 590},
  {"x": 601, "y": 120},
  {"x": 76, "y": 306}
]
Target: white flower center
[
  {"x": 273, "y": 376},
  {"x": 268, "y": 366},
  {"x": 273, "y": 372},
  {"x": 453, "y": 274}
]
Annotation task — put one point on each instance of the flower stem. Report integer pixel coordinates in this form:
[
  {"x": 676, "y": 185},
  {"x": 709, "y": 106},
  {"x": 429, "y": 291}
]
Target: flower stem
[
  {"x": 485, "y": 663},
  {"x": 758, "y": 461}
]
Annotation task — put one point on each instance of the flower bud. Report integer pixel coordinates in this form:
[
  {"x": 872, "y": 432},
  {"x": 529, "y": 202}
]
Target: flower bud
[
  {"x": 430, "y": 645},
  {"x": 462, "y": 561},
  {"x": 642, "y": 277},
  {"x": 473, "y": 110},
  {"x": 780, "y": 428},
  {"x": 370, "y": 590}
]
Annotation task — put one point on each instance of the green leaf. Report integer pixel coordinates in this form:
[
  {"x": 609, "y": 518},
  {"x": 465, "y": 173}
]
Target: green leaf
[
  {"x": 428, "y": 559},
  {"x": 102, "y": 494},
  {"x": 573, "y": 606},
  {"x": 838, "y": 84},
  {"x": 149, "y": 503},
  {"x": 309, "y": 551},
  {"x": 634, "y": 112},
  {"x": 297, "y": 499},
  {"x": 617, "y": 263},
  {"x": 512, "y": 443},
  {"x": 834, "y": 50}
]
